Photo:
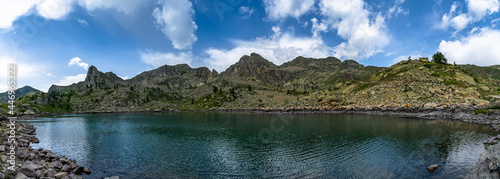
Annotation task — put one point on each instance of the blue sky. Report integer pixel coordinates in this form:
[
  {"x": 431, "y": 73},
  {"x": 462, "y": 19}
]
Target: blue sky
[{"x": 54, "y": 41}]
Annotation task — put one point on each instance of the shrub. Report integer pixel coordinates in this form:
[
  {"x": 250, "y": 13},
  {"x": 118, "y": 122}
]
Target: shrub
[
  {"x": 439, "y": 58},
  {"x": 482, "y": 111}
]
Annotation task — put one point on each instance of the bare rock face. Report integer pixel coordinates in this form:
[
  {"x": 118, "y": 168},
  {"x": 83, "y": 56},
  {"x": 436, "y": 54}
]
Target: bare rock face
[{"x": 487, "y": 167}]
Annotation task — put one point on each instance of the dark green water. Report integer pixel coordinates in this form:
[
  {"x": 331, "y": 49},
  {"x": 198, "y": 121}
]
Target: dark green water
[{"x": 215, "y": 145}]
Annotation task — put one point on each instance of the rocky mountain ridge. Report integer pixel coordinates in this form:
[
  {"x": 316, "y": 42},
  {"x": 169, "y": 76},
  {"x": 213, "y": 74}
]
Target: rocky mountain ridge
[{"x": 254, "y": 82}]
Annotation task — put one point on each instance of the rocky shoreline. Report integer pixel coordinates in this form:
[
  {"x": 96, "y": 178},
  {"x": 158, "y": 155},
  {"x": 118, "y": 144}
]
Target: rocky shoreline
[
  {"x": 457, "y": 112},
  {"x": 44, "y": 163},
  {"x": 19, "y": 160}
]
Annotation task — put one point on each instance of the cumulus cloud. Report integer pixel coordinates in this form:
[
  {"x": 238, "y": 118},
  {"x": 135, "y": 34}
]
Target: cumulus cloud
[
  {"x": 78, "y": 62},
  {"x": 318, "y": 27},
  {"x": 10, "y": 11},
  {"x": 54, "y": 9},
  {"x": 68, "y": 80},
  {"x": 480, "y": 8},
  {"x": 175, "y": 20},
  {"x": 158, "y": 59},
  {"x": 480, "y": 48},
  {"x": 477, "y": 10},
  {"x": 246, "y": 12},
  {"x": 278, "y": 49},
  {"x": 281, "y": 9},
  {"x": 364, "y": 37}
]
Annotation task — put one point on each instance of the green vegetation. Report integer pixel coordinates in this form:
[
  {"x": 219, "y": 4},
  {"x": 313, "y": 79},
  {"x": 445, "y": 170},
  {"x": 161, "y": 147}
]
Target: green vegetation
[
  {"x": 439, "y": 58},
  {"x": 483, "y": 111}
]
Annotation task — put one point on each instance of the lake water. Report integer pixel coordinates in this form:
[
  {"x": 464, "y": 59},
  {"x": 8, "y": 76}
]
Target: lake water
[{"x": 218, "y": 144}]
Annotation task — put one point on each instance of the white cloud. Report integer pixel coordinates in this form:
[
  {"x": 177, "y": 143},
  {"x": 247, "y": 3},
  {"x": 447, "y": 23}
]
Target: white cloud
[
  {"x": 77, "y": 61},
  {"x": 158, "y": 59},
  {"x": 54, "y": 9},
  {"x": 460, "y": 22},
  {"x": 246, "y": 12},
  {"x": 11, "y": 10},
  {"x": 24, "y": 70},
  {"x": 281, "y": 9},
  {"x": 277, "y": 49},
  {"x": 364, "y": 37},
  {"x": 480, "y": 48},
  {"x": 480, "y": 8},
  {"x": 318, "y": 27},
  {"x": 477, "y": 10},
  {"x": 175, "y": 20},
  {"x": 397, "y": 9},
  {"x": 83, "y": 22},
  {"x": 68, "y": 80},
  {"x": 27, "y": 73}
]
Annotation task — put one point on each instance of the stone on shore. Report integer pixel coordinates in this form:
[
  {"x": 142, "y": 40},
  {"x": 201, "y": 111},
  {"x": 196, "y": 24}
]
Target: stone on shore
[
  {"x": 64, "y": 160},
  {"x": 60, "y": 175},
  {"x": 484, "y": 169},
  {"x": 432, "y": 168},
  {"x": 112, "y": 177},
  {"x": 56, "y": 165},
  {"x": 20, "y": 175},
  {"x": 50, "y": 172},
  {"x": 87, "y": 171}
]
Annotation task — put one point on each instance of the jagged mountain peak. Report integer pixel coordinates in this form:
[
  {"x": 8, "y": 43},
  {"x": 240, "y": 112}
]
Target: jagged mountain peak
[{"x": 249, "y": 66}]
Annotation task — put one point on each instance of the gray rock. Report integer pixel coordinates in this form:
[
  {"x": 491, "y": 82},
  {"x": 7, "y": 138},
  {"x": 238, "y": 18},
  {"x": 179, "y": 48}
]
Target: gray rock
[
  {"x": 28, "y": 172},
  {"x": 79, "y": 170},
  {"x": 39, "y": 173},
  {"x": 21, "y": 176},
  {"x": 482, "y": 170},
  {"x": 31, "y": 166},
  {"x": 87, "y": 171},
  {"x": 72, "y": 176},
  {"x": 492, "y": 166},
  {"x": 56, "y": 164},
  {"x": 432, "y": 168},
  {"x": 21, "y": 155},
  {"x": 51, "y": 155},
  {"x": 2, "y": 148},
  {"x": 73, "y": 165},
  {"x": 60, "y": 175},
  {"x": 29, "y": 169},
  {"x": 23, "y": 141},
  {"x": 50, "y": 172},
  {"x": 66, "y": 168},
  {"x": 64, "y": 160},
  {"x": 112, "y": 177}
]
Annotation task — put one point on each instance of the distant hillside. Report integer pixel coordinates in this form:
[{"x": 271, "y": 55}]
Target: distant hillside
[
  {"x": 20, "y": 92},
  {"x": 254, "y": 82}
]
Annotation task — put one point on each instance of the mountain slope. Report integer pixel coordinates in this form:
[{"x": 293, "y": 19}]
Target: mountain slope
[
  {"x": 418, "y": 82},
  {"x": 20, "y": 92},
  {"x": 254, "y": 82}
]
